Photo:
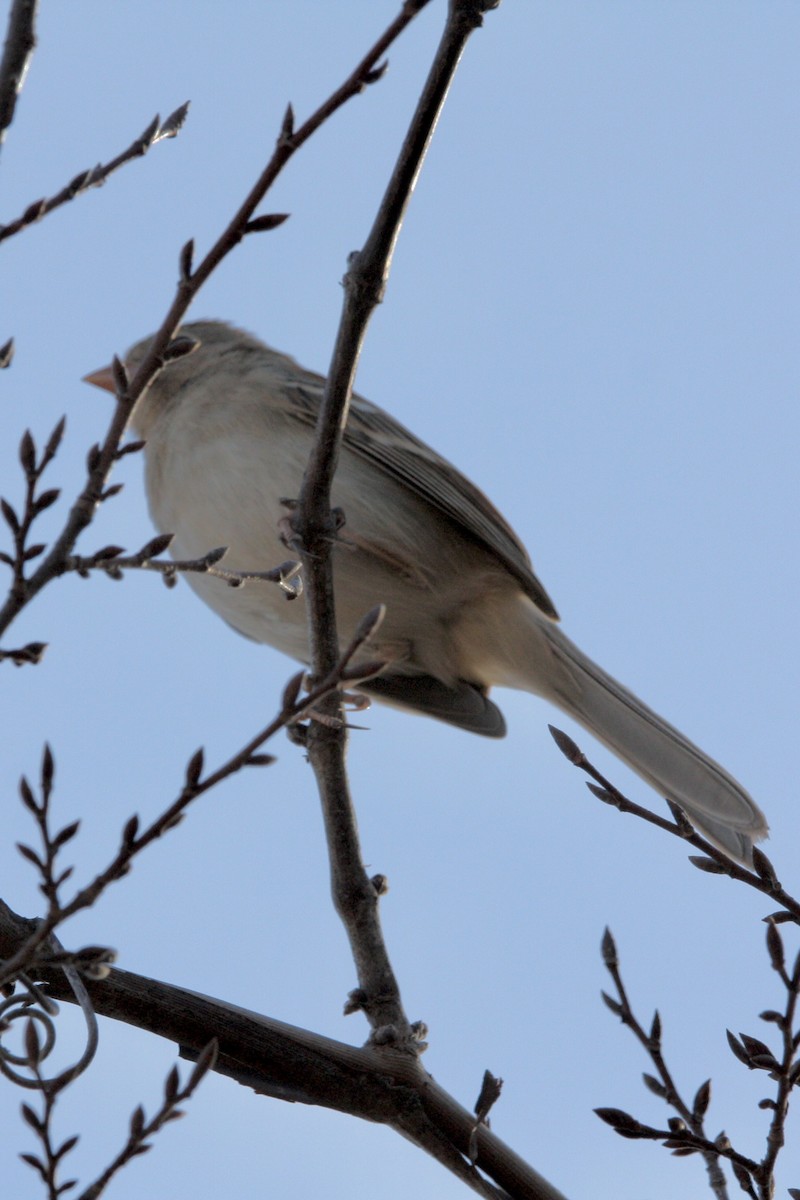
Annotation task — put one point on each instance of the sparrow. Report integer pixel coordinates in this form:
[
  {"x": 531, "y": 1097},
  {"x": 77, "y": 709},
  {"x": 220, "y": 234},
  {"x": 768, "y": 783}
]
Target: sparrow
[{"x": 227, "y": 432}]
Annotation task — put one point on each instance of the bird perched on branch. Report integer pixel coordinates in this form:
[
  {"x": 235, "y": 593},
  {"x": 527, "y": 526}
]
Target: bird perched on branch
[{"x": 228, "y": 429}]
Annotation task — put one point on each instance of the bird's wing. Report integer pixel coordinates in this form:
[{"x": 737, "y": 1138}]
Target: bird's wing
[{"x": 382, "y": 440}]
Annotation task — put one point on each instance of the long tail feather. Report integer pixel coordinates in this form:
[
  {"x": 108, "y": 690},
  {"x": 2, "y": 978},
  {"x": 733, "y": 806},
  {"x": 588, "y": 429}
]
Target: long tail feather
[{"x": 711, "y": 798}]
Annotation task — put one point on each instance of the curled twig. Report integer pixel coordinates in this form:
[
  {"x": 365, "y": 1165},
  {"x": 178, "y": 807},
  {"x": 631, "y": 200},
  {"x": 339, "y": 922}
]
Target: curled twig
[{"x": 49, "y": 1161}]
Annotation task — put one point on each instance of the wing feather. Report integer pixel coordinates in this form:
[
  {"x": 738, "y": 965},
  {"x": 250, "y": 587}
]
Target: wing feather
[{"x": 378, "y": 437}]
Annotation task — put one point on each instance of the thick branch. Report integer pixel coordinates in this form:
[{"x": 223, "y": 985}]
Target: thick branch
[
  {"x": 354, "y": 897},
  {"x": 19, "y": 46},
  {"x": 296, "y": 1065}
]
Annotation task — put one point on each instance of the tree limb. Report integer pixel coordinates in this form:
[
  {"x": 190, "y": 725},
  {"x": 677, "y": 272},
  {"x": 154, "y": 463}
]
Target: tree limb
[
  {"x": 19, "y": 46},
  {"x": 292, "y": 1064},
  {"x": 354, "y": 897},
  {"x": 102, "y": 458}
]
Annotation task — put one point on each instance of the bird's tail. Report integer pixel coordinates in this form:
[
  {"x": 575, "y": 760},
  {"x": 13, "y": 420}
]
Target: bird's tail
[{"x": 711, "y": 798}]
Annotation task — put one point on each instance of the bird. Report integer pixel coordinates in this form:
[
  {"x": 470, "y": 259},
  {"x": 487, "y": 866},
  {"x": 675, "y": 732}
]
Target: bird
[{"x": 228, "y": 429}]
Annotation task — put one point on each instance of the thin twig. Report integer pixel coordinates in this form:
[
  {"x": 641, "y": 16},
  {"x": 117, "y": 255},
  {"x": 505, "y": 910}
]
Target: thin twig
[
  {"x": 141, "y": 1130},
  {"x": 786, "y": 1072},
  {"x": 686, "y": 1133},
  {"x": 664, "y": 1086},
  {"x": 714, "y": 861},
  {"x": 286, "y": 574},
  {"x": 32, "y": 653},
  {"x": 294, "y": 708},
  {"x": 102, "y": 458},
  {"x": 96, "y": 176}
]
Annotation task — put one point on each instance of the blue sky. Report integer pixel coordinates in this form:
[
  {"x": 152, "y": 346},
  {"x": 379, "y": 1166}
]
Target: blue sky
[{"x": 593, "y": 312}]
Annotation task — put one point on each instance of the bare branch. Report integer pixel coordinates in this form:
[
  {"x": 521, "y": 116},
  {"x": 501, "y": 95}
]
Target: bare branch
[
  {"x": 787, "y": 1072},
  {"x": 103, "y": 458},
  {"x": 19, "y": 46},
  {"x": 32, "y": 653},
  {"x": 96, "y": 176},
  {"x": 353, "y": 895},
  {"x": 664, "y": 1084},
  {"x": 686, "y": 1134},
  {"x": 112, "y": 562},
  {"x": 714, "y": 861},
  {"x": 141, "y": 1130},
  {"x": 295, "y": 707},
  {"x": 296, "y": 1065}
]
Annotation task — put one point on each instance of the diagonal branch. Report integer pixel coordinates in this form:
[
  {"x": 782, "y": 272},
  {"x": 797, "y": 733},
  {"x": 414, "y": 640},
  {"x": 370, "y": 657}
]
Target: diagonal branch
[
  {"x": 96, "y": 176},
  {"x": 713, "y": 860},
  {"x": 355, "y": 898},
  {"x": 19, "y": 46},
  {"x": 297, "y": 1065},
  {"x": 134, "y": 840},
  {"x": 103, "y": 457}
]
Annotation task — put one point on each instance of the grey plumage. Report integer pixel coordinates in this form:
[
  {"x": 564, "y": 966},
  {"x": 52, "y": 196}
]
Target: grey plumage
[{"x": 228, "y": 431}]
